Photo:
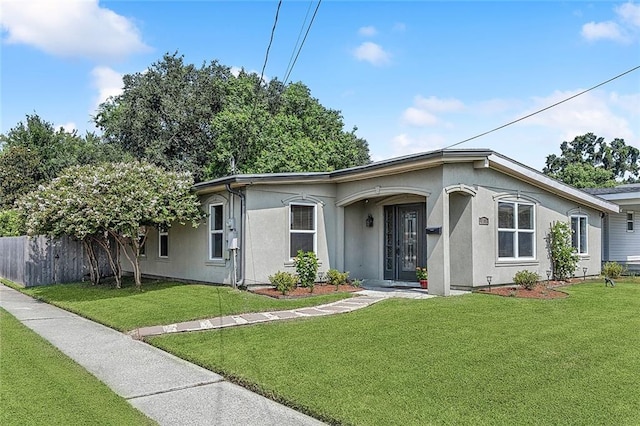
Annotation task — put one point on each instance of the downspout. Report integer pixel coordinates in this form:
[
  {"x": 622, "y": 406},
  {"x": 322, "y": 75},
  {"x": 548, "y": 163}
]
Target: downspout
[{"x": 238, "y": 281}]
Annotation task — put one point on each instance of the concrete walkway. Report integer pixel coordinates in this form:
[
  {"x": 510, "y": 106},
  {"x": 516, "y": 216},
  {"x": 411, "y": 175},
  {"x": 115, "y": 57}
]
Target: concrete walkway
[
  {"x": 341, "y": 306},
  {"x": 167, "y": 389}
]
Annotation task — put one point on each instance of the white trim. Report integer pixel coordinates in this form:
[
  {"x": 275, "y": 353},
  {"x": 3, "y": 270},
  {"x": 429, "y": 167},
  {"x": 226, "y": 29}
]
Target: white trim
[
  {"x": 516, "y": 231},
  {"x": 379, "y": 191},
  {"x": 630, "y": 221},
  {"x": 211, "y": 231},
  {"x": 314, "y": 231},
  {"x": 586, "y": 232},
  {"x": 538, "y": 179}
]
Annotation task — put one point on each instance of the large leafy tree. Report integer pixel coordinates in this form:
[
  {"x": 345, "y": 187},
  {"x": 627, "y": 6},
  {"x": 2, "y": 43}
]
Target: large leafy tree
[
  {"x": 588, "y": 161},
  {"x": 111, "y": 202},
  {"x": 210, "y": 122},
  {"x": 34, "y": 152}
]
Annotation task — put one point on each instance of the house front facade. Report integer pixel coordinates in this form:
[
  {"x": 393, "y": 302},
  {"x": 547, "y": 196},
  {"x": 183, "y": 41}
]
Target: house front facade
[{"x": 473, "y": 217}]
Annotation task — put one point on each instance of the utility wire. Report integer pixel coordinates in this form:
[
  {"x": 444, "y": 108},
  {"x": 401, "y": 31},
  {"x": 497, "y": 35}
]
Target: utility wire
[
  {"x": 302, "y": 44},
  {"x": 273, "y": 30},
  {"x": 293, "y": 52},
  {"x": 544, "y": 109}
]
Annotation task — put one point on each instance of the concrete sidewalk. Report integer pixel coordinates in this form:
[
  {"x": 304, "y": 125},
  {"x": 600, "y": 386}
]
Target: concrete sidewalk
[{"x": 166, "y": 388}]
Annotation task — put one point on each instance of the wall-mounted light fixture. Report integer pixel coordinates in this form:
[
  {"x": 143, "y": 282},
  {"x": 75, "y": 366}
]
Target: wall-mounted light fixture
[{"x": 369, "y": 221}]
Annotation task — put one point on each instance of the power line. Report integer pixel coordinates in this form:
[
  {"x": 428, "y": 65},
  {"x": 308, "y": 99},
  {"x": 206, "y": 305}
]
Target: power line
[
  {"x": 273, "y": 30},
  {"x": 293, "y": 52},
  {"x": 302, "y": 44},
  {"x": 545, "y": 108}
]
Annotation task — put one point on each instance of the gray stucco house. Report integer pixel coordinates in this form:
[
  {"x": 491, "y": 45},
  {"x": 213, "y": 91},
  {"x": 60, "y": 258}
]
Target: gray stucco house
[
  {"x": 620, "y": 234},
  {"x": 466, "y": 214}
]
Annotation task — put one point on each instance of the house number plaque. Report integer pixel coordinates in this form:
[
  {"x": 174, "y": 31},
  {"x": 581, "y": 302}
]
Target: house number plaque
[{"x": 484, "y": 221}]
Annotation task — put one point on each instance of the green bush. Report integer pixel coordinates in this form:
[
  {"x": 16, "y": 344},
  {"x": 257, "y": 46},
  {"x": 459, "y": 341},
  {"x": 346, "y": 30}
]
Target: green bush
[
  {"x": 11, "y": 224},
  {"x": 307, "y": 268},
  {"x": 563, "y": 256},
  {"x": 356, "y": 283},
  {"x": 283, "y": 281},
  {"x": 337, "y": 278},
  {"x": 613, "y": 269},
  {"x": 526, "y": 279}
]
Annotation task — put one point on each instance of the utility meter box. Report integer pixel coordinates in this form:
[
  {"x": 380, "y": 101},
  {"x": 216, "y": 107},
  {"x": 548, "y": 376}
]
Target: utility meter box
[{"x": 232, "y": 240}]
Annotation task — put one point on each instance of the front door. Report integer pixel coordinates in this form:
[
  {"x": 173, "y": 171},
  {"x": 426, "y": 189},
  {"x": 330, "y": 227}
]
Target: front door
[{"x": 404, "y": 241}]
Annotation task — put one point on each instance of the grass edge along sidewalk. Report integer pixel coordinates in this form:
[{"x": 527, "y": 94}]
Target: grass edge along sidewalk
[
  {"x": 41, "y": 385},
  {"x": 475, "y": 359},
  {"x": 161, "y": 302}
]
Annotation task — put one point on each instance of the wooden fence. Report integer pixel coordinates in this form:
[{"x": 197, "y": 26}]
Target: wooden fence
[{"x": 34, "y": 261}]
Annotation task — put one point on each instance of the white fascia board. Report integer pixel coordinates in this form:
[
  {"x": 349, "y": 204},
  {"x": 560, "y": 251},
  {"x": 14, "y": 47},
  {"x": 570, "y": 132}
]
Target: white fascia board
[{"x": 538, "y": 179}]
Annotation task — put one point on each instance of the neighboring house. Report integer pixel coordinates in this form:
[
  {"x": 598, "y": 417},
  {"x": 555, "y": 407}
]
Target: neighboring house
[
  {"x": 621, "y": 231},
  {"x": 466, "y": 214}
]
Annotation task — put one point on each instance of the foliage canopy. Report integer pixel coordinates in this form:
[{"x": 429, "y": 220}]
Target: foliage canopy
[
  {"x": 212, "y": 123},
  {"x": 588, "y": 161}
]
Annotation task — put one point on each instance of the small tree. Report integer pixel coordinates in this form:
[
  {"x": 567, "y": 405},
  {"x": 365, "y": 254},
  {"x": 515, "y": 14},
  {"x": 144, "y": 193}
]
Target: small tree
[
  {"x": 111, "y": 201},
  {"x": 564, "y": 258},
  {"x": 307, "y": 268}
]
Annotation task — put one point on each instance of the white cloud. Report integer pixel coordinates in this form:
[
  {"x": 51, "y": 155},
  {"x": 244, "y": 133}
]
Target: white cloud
[
  {"x": 372, "y": 53},
  {"x": 369, "y": 31},
  {"x": 404, "y": 144},
  {"x": 68, "y": 127},
  {"x": 629, "y": 13},
  {"x": 591, "y": 112},
  {"x": 602, "y": 30},
  {"x": 439, "y": 105},
  {"x": 424, "y": 110},
  {"x": 70, "y": 28},
  {"x": 624, "y": 29},
  {"x": 418, "y": 117},
  {"x": 108, "y": 82}
]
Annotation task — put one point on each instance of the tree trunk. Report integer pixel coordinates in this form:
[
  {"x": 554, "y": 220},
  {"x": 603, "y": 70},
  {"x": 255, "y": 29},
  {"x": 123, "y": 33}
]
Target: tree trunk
[
  {"x": 94, "y": 267},
  {"x": 104, "y": 243}
]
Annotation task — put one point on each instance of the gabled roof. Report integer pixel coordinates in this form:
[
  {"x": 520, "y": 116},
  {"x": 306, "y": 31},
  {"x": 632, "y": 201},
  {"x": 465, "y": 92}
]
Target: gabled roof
[{"x": 481, "y": 158}]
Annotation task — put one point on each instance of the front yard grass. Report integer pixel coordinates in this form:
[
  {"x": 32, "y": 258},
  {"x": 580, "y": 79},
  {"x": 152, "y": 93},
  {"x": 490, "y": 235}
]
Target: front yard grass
[
  {"x": 163, "y": 302},
  {"x": 475, "y": 359},
  {"x": 39, "y": 385}
]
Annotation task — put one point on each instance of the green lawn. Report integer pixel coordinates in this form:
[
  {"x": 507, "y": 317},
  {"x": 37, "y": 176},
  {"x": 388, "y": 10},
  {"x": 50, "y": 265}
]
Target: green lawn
[
  {"x": 475, "y": 359},
  {"x": 39, "y": 385},
  {"x": 162, "y": 302}
]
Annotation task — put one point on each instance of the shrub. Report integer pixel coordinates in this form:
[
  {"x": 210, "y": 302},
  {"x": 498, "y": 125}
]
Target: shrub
[
  {"x": 307, "y": 268},
  {"x": 613, "y": 269},
  {"x": 283, "y": 281},
  {"x": 11, "y": 224},
  {"x": 337, "y": 278},
  {"x": 564, "y": 258},
  {"x": 356, "y": 283},
  {"x": 526, "y": 279}
]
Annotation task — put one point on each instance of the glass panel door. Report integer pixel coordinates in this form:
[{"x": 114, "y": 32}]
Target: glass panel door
[{"x": 404, "y": 241}]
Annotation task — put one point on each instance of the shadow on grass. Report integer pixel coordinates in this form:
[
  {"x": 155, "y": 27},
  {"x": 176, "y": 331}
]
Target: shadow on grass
[{"x": 86, "y": 292}]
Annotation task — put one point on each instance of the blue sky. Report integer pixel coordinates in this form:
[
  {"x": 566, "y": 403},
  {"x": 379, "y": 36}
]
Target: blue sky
[{"x": 412, "y": 76}]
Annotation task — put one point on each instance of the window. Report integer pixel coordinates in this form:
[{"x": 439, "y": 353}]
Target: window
[
  {"x": 516, "y": 230},
  {"x": 142, "y": 240},
  {"x": 163, "y": 243},
  {"x": 302, "y": 228},
  {"x": 629, "y": 221},
  {"x": 579, "y": 225},
  {"x": 216, "y": 231}
]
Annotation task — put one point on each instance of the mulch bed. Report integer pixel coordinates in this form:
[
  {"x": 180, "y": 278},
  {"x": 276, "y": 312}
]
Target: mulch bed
[
  {"x": 540, "y": 291},
  {"x": 304, "y": 292}
]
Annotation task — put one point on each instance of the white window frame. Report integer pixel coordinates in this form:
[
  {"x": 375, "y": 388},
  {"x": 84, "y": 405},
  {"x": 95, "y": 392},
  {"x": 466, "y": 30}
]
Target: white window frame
[
  {"x": 161, "y": 234},
  {"x": 630, "y": 221},
  {"x": 580, "y": 230},
  {"x": 213, "y": 231},
  {"x": 314, "y": 231},
  {"x": 516, "y": 231}
]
